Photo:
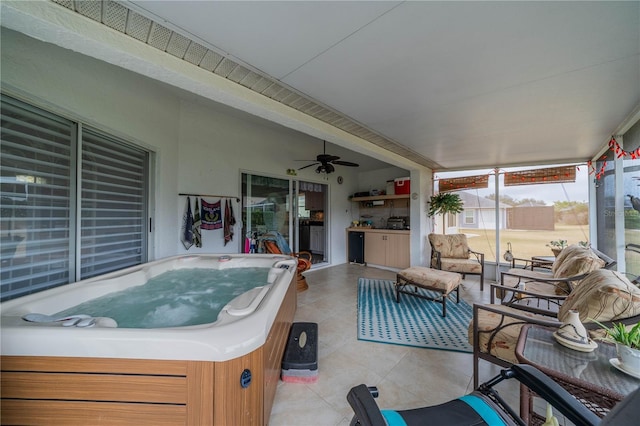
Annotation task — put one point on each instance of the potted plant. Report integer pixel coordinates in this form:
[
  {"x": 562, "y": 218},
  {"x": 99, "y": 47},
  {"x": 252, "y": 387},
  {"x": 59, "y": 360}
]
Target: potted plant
[
  {"x": 445, "y": 202},
  {"x": 627, "y": 341},
  {"x": 557, "y": 246}
]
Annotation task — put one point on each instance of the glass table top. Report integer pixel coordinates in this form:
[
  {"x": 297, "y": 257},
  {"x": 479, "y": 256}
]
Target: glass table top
[{"x": 542, "y": 350}]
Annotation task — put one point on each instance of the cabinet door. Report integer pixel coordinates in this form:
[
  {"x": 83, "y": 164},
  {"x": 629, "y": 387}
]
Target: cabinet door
[
  {"x": 398, "y": 251},
  {"x": 314, "y": 200},
  {"x": 375, "y": 248}
]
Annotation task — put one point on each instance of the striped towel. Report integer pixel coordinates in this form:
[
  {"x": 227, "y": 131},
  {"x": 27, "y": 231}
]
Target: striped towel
[
  {"x": 229, "y": 221},
  {"x": 187, "y": 227}
]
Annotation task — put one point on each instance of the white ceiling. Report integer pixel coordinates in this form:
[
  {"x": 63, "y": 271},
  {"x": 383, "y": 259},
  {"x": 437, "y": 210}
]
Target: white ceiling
[
  {"x": 458, "y": 84},
  {"x": 464, "y": 84}
]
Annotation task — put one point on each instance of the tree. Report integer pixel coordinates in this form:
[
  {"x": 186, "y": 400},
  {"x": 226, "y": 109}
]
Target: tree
[
  {"x": 505, "y": 199},
  {"x": 571, "y": 212},
  {"x": 530, "y": 202}
]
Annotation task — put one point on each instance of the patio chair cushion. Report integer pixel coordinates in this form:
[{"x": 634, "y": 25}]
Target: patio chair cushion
[
  {"x": 433, "y": 279},
  {"x": 503, "y": 343},
  {"x": 576, "y": 261},
  {"x": 450, "y": 245},
  {"x": 581, "y": 262},
  {"x": 462, "y": 266},
  {"x": 565, "y": 253},
  {"x": 604, "y": 295},
  {"x": 569, "y": 261}
]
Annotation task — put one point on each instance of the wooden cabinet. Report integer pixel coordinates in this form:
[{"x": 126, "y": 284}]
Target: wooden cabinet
[
  {"x": 314, "y": 201},
  {"x": 375, "y": 250},
  {"x": 387, "y": 249}
]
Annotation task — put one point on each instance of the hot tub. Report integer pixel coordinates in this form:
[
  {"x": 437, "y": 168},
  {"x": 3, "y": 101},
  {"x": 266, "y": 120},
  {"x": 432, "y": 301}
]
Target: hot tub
[{"x": 172, "y": 375}]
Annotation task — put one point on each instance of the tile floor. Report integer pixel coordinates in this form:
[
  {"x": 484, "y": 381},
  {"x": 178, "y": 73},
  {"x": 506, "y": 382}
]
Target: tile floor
[{"x": 406, "y": 377}]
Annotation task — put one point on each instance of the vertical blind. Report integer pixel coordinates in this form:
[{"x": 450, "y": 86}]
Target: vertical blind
[{"x": 39, "y": 220}]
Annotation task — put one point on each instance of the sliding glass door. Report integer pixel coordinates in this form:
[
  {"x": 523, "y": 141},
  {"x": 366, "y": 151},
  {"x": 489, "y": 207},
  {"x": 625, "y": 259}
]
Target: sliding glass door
[
  {"x": 295, "y": 209},
  {"x": 266, "y": 207},
  {"x": 312, "y": 208}
]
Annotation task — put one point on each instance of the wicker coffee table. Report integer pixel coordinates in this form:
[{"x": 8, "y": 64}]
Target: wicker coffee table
[{"x": 586, "y": 375}]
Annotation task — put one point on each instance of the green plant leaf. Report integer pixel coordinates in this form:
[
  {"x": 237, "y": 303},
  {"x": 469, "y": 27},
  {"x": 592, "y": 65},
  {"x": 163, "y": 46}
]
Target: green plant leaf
[
  {"x": 445, "y": 202},
  {"x": 619, "y": 333}
]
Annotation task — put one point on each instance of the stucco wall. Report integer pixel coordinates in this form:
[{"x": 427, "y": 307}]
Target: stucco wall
[{"x": 200, "y": 146}]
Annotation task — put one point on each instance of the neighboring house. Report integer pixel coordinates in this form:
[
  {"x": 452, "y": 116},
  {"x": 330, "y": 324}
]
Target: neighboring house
[{"x": 479, "y": 213}]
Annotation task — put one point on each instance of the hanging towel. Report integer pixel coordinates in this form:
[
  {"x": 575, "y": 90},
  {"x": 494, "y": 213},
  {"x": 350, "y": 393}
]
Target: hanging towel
[
  {"x": 229, "y": 221},
  {"x": 187, "y": 227},
  {"x": 211, "y": 216},
  {"x": 197, "y": 223}
]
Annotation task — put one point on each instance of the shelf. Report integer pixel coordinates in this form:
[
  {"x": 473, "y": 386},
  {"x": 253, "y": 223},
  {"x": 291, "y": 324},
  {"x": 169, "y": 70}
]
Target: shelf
[{"x": 382, "y": 197}]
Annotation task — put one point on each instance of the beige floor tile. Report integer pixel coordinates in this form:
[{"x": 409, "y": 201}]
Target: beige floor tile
[
  {"x": 296, "y": 404},
  {"x": 406, "y": 377}
]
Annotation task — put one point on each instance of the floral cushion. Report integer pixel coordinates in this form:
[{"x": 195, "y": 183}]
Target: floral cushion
[
  {"x": 503, "y": 343},
  {"x": 565, "y": 253},
  {"x": 463, "y": 266},
  {"x": 580, "y": 263},
  {"x": 603, "y": 295},
  {"x": 576, "y": 261},
  {"x": 431, "y": 278},
  {"x": 450, "y": 246}
]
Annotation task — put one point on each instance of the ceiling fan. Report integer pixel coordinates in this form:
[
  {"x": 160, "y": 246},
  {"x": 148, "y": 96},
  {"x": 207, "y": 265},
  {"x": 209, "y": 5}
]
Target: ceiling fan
[{"x": 325, "y": 162}]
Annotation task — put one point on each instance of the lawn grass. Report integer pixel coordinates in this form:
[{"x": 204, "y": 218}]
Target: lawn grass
[{"x": 524, "y": 244}]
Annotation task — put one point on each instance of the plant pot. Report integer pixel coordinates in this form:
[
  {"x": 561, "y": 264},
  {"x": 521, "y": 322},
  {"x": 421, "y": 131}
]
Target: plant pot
[
  {"x": 629, "y": 358},
  {"x": 556, "y": 251}
]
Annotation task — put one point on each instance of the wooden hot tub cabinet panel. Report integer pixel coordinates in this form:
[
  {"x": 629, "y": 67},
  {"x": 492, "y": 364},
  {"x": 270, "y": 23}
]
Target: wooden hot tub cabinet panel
[
  {"x": 235, "y": 405},
  {"x": 44, "y": 390},
  {"x": 70, "y": 413},
  {"x": 274, "y": 348},
  {"x": 95, "y": 387},
  {"x": 39, "y": 390}
]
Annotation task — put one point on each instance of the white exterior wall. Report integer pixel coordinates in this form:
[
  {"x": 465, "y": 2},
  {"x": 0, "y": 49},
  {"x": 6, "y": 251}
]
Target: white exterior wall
[{"x": 200, "y": 146}]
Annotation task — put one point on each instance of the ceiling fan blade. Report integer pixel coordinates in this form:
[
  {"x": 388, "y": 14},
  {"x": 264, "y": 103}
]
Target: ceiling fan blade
[
  {"x": 325, "y": 158},
  {"x": 346, "y": 163},
  {"x": 308, "y": 165}
]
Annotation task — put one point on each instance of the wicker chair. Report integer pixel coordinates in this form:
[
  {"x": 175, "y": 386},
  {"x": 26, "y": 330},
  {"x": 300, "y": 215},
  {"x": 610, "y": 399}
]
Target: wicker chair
[
  {"x": 274, "y": 242},
  {"x": 452, "y": 253}
]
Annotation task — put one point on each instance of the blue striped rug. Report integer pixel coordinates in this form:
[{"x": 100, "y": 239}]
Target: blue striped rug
[{"x": 412, "y": 322}]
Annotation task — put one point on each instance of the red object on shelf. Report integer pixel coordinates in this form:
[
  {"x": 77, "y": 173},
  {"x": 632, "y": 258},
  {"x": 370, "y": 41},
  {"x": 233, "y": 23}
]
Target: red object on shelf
[{"x": 402, "y": 185}]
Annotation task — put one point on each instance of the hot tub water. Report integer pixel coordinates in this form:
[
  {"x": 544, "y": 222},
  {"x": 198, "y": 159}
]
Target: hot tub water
[{"x": 174, "y": 298}]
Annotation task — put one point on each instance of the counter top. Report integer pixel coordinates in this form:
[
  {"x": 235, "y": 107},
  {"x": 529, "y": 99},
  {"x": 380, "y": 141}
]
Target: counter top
[{"x": 378, "y": 230}]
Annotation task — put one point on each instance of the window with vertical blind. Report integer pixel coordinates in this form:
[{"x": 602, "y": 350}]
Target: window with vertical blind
[
  {"x": 73, "y": 201},
  {"x": 113, "y": 213}
]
